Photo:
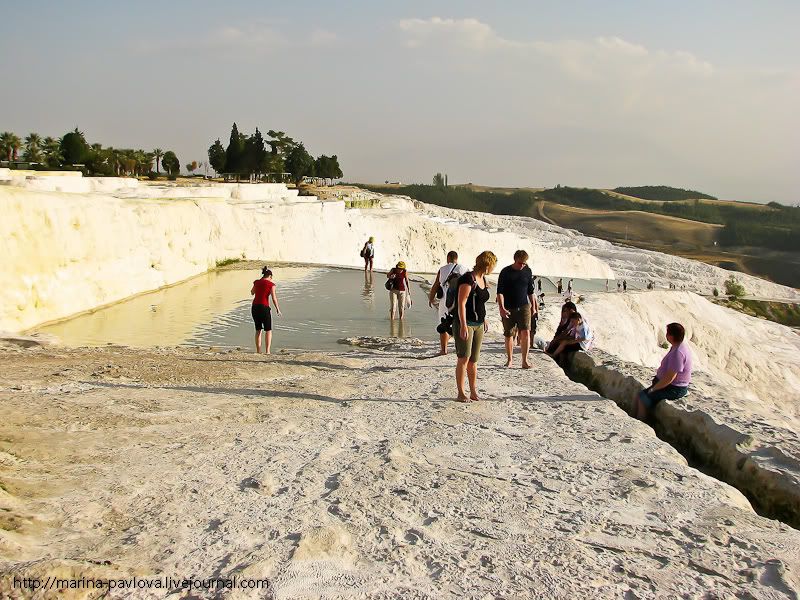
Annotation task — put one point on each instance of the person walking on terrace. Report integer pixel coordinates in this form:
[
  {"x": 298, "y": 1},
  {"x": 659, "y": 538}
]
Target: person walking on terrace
[
  {"x": 672, "y": 378},
  {"x": 518, "y": 305},
  {"x": 469, "y": 323},
  {"x": 368, "y": 253},
  {"x": 448, "y": 274},
  {"x": 399, "y": 290},
  {"x": 263, "y": 289}
]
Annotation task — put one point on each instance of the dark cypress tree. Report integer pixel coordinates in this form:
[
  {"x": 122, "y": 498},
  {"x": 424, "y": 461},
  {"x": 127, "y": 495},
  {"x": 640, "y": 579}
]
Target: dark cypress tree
[
  {"x": 255, "y": 154},
  {"x": 234, "y": 154}
]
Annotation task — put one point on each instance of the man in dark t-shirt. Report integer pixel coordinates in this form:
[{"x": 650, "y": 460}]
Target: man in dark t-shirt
[{"x": 518, "y": 306}]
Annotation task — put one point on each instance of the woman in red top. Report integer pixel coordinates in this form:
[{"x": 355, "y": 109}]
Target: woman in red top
[
  {"x": 397, "y": 284},
  {"x": 262, "y": 290}
]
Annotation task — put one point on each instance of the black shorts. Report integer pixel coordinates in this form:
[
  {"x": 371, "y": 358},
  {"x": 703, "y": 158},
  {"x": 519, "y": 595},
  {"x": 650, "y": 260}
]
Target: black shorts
[{"x": 262, "y": 317}]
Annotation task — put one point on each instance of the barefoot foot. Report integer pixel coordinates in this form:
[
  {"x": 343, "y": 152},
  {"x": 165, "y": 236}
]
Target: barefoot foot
[{"x": 473, "y": 396}]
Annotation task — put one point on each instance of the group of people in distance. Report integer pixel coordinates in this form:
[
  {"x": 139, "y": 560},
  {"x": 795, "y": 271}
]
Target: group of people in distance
[{"x": 460, "y": 296}]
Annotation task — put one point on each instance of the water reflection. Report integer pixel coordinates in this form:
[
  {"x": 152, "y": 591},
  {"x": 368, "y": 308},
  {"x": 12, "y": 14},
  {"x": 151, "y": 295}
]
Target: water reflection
[
  {"x": 398, "y": 328},
  {"x": 368, "y": 293},
  {"x": 320, "y": 306}
]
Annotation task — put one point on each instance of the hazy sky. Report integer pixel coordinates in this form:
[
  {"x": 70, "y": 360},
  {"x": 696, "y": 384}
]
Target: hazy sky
[{"x": 695, "y": 94}]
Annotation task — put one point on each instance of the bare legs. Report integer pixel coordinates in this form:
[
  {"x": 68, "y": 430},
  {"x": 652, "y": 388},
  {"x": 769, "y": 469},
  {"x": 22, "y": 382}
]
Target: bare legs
[
  {"x": 472, "y": 376},
  {"x": 397, "y": 304},
  {"x": 524, "y": 346},
  {"x": 464, "y": 366},
  {"x": 368, "y": 263},
  {"x": 443, "y": 339},
  {"x": 267, "y": 341}
]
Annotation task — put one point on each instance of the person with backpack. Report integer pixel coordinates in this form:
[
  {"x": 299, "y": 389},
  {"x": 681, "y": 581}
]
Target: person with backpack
[
  {"x": 399, "y": 290},
  {"x": 469, "y": 323},
  {"x": 368, "y": 253},
  {"x": 440, "y": 290}
]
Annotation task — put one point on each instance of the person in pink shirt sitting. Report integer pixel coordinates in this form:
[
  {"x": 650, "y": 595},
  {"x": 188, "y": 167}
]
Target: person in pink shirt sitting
[{"x": 673, "y": 376}]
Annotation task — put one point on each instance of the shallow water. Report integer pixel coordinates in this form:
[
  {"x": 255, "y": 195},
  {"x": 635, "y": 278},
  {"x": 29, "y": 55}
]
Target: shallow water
[{"x": 319, "y": 306}]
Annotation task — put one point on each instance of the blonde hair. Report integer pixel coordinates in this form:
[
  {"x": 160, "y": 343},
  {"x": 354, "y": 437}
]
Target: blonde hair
[{"x": 485, "y": 261}]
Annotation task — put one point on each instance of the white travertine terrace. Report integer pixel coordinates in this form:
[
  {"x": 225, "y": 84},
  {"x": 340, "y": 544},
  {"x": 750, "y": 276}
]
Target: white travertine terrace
[{"x": 68, "y": 250}]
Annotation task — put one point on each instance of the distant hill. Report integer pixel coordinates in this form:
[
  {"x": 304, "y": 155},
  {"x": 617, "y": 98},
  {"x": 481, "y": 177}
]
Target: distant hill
[{"x": 662, "y": 192}]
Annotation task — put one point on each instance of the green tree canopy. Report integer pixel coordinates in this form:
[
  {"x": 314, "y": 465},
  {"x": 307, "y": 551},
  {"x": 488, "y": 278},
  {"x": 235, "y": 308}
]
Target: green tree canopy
[
  {"x": 51, "y": 149},
  {"x": 10, "y": 145},
  {"x": 299, "y": 163},
  {"x": 74, "y": 149},
  {"x": 171, "y": 163},
  {"x": 33, "y": 148},
  {"x": 234, "y": 153},
  {"x": 255, "y": 154},
  {"x": 216, "y": 157}
]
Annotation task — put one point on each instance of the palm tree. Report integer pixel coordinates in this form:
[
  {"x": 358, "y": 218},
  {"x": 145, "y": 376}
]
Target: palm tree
[
  {"x": 33, "y": 148},
  {"x": 147, "y": 162},
  {"x": 10, "y": 144},
  {"x": 5, "y": 144},
  {"x": 51, "y": 147},
  {"x": 158, "y": 153}
]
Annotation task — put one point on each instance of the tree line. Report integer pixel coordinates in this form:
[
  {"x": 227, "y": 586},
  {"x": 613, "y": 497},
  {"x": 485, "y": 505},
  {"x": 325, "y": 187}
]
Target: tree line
[
  {"x": 662, "y": 192},
  {"x": 71, "y": 151},
  {"x": 773, "y": 226},
  {"x": 255, "y": 155}
]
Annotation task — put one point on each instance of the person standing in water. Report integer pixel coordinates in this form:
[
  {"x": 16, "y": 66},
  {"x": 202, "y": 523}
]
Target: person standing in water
[
  {"x": 569, "y": 287},
  {"x": 263, "y": 289},
  {"x": 606, "y": 285},
  {"x": 368, "y": 253},
  {"x": 469, "y": 323},
  {"x": 560, "y": 286},
  {"x": 518, "y": 305},
  {"x": 624, "y": 285},
  {"x": 398, "y": 287},
  {"x": 447, "y": 274}
]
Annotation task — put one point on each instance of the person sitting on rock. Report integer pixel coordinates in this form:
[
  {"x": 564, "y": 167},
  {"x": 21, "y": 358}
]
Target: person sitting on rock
[
  {"x": 567, "y": 310},
  {"x": 579, "y": 337},
  {"x": 672, "y": 378}
]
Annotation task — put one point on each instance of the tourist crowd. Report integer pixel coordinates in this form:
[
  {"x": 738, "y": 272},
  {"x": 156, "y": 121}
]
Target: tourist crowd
[{"x": 460, "y": 295}]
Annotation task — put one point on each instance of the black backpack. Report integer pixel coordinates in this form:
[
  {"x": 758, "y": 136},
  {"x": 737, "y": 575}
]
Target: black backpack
[{"x": 452, "y": 291}]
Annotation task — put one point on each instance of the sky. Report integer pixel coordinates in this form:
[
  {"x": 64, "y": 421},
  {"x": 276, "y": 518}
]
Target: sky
[{"x": 694, "y": 94}]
